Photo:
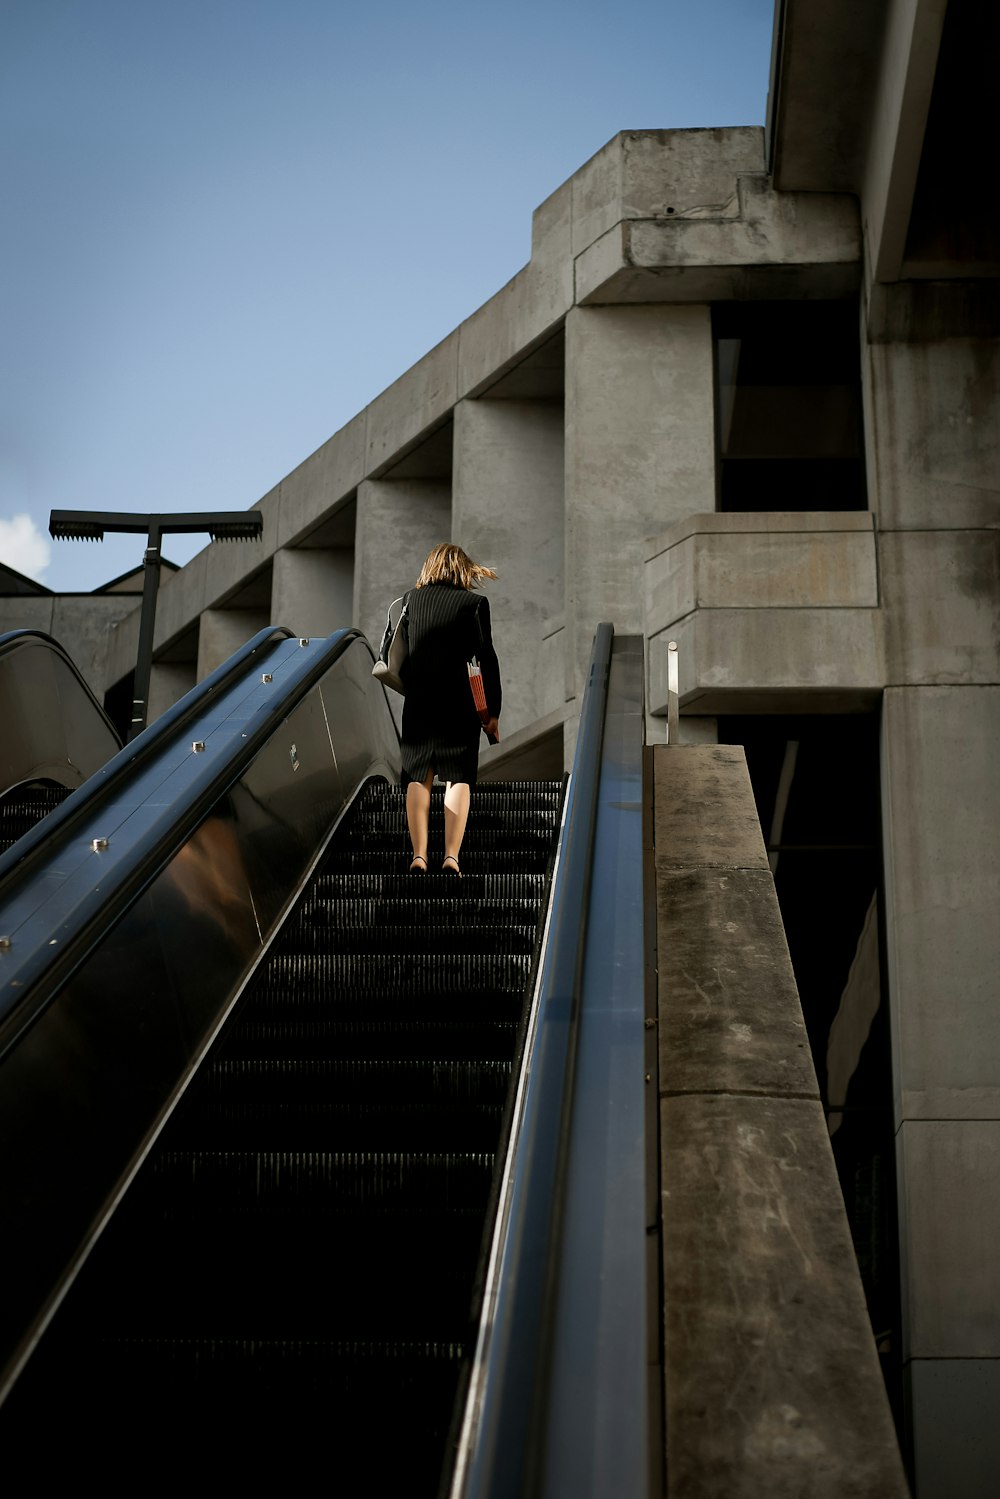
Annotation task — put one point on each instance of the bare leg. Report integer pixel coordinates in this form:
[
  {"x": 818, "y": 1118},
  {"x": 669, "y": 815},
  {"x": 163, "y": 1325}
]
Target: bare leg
[
  {"x": 418, "y": 808},
  {"x": 456, "y": 815}
]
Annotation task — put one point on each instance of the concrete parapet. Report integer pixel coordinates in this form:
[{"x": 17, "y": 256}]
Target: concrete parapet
[
  {"x": 766, "y": 560},
  {"x": 411, "y": 406},
  {"x": 770, "y": 661},
  {"x": 772, "y": 1382},
  {"x": 755, "y": 243},
  {"x": 321, "y": 484}
]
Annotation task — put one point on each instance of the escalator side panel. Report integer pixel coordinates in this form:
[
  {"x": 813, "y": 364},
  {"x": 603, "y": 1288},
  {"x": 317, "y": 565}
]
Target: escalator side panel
[
  {"x": 90, "y": 1082},
  {"x": 52, "y": 728}
]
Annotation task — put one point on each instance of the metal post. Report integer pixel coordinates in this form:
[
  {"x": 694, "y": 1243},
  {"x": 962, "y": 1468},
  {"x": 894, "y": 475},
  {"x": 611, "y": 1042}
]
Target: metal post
[
  {"x": 673, "y": 701},
  {"x": 90, "y": 525},
  {"x": 147, "y": 620}
]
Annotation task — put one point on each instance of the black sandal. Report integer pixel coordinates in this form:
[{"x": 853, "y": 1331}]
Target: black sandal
[
  {"x": 455, "y": 873},
  {"x": 415, "y": 867}
]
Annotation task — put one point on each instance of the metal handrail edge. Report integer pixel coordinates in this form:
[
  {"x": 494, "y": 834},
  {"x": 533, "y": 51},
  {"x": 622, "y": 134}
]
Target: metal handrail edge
[
  {"x": 10, "y": 639},
  {"x": 140, "y": 748},
  {"x": 41, "y": 986},
  {"x": 503, "y": 1404}
]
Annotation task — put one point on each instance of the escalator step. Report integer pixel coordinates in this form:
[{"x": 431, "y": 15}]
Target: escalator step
[
  {"x": 341, "y": 977},
  {"x": 297, "y": 1261},
  {"x": 268, "y": 1080},
  {"x": 23, "y": 807},
  {"x": 318, "y": 1185},
  {"x": 398, "y": 884},
  {"x": 458, "y": 1035},
  {"x": 392, "y": 858},
  {"x": 332, "y": 915},
  {"x": 305, "y": 941}
]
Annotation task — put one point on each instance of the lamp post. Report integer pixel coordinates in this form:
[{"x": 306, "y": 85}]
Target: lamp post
[{"x": 90, "y": 525}]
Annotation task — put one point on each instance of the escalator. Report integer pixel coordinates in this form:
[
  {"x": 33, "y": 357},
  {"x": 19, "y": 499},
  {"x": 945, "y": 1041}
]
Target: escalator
[
  {"x": 255, "y": 1087},
  {"x": 299, "y": 1253},
  {"x": 54, "y": 733}
]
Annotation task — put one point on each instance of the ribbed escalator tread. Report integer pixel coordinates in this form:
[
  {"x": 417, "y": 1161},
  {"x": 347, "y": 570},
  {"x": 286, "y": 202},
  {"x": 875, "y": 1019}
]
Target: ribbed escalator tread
[
  {"x": 370, "y": 1036},
  {"x": 302, "y": 1246},
  {"x": 23, "y": 807}
]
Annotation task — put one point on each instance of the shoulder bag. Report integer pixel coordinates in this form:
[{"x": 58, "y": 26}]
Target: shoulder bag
[{"x": 393, "y": 651}]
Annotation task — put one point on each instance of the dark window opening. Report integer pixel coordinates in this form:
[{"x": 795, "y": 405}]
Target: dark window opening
[
  {"x": 816, "y": 785},
  {"x": 788, "y": 406},
  {"x": 118, "y": 704}
]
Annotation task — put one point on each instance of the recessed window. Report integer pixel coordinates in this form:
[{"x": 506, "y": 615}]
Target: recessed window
[{"x": 788, "y": 406}]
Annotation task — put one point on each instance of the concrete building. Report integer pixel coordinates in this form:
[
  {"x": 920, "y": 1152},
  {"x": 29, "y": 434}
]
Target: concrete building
[{"x": 745, "y": 396}]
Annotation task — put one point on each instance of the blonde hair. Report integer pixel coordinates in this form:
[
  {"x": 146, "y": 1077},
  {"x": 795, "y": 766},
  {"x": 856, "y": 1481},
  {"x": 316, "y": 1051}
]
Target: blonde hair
[{"x": 447, "y": 563}]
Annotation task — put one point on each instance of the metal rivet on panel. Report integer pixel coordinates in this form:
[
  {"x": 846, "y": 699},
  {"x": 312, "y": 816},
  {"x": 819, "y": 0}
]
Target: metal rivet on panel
[
  {"x": 198, "y": 746},
  {"x": 267, "y": 677},
  {"x": 99, "y": 844},
  {"x": 5, "y": 944}
]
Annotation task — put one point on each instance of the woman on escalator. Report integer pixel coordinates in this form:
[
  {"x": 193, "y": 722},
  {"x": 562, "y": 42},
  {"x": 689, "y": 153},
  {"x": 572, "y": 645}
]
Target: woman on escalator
[{"x": 448, "y": 623}]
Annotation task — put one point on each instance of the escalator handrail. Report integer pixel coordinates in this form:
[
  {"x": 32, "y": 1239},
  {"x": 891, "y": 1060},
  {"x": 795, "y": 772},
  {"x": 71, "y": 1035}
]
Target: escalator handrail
[
  {"x": 12, "y": 640},
  {"x": 507, "y": 1409},
  {"x": 32, "y": 980},
  {"x": 141, "y": 748}
]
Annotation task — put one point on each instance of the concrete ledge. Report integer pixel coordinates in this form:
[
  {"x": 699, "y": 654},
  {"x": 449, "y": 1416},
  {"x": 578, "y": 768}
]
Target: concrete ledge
[
  {"x": 733, "y": 1023},
  {"x": 771, "y": 1379}
]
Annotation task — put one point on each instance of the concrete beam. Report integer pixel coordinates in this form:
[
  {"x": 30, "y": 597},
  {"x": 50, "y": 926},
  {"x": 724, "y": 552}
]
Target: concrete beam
[{"x": 894, "y": 133}]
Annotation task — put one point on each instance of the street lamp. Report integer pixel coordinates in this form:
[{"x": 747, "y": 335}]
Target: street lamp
[{"x": 90, "y": 525}]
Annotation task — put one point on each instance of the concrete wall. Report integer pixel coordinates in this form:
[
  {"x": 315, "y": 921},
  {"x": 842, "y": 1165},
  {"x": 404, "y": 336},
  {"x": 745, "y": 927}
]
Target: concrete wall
[
  {"x": 508, "y": 513},
  {"x": 640, "y": 446}
]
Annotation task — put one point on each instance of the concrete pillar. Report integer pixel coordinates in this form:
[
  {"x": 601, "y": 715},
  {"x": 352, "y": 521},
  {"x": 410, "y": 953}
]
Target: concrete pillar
[
  {"x": 167, "y": 684},
  {"x": 223, "y": 631},
  {"x": 933, "y": 435},
  {"x": 508, "y": 513},
  {"x": 399, "y": 520},
  {"x": 941, "y": 806},
  {"x": 312, "y": 592},
  {"x": 640, "y": 454}
]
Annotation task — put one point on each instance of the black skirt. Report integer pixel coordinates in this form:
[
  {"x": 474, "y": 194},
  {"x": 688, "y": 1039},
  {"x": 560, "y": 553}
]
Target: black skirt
[{"x": 446, "y": 626}]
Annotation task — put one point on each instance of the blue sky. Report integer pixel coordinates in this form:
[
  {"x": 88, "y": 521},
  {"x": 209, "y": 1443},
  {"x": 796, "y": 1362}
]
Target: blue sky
[{"x": 228, "y": 224}]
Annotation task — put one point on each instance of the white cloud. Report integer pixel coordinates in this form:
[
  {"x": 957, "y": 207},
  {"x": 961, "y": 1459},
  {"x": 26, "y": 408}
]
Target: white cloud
[{"x": 23, "y": 547}]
